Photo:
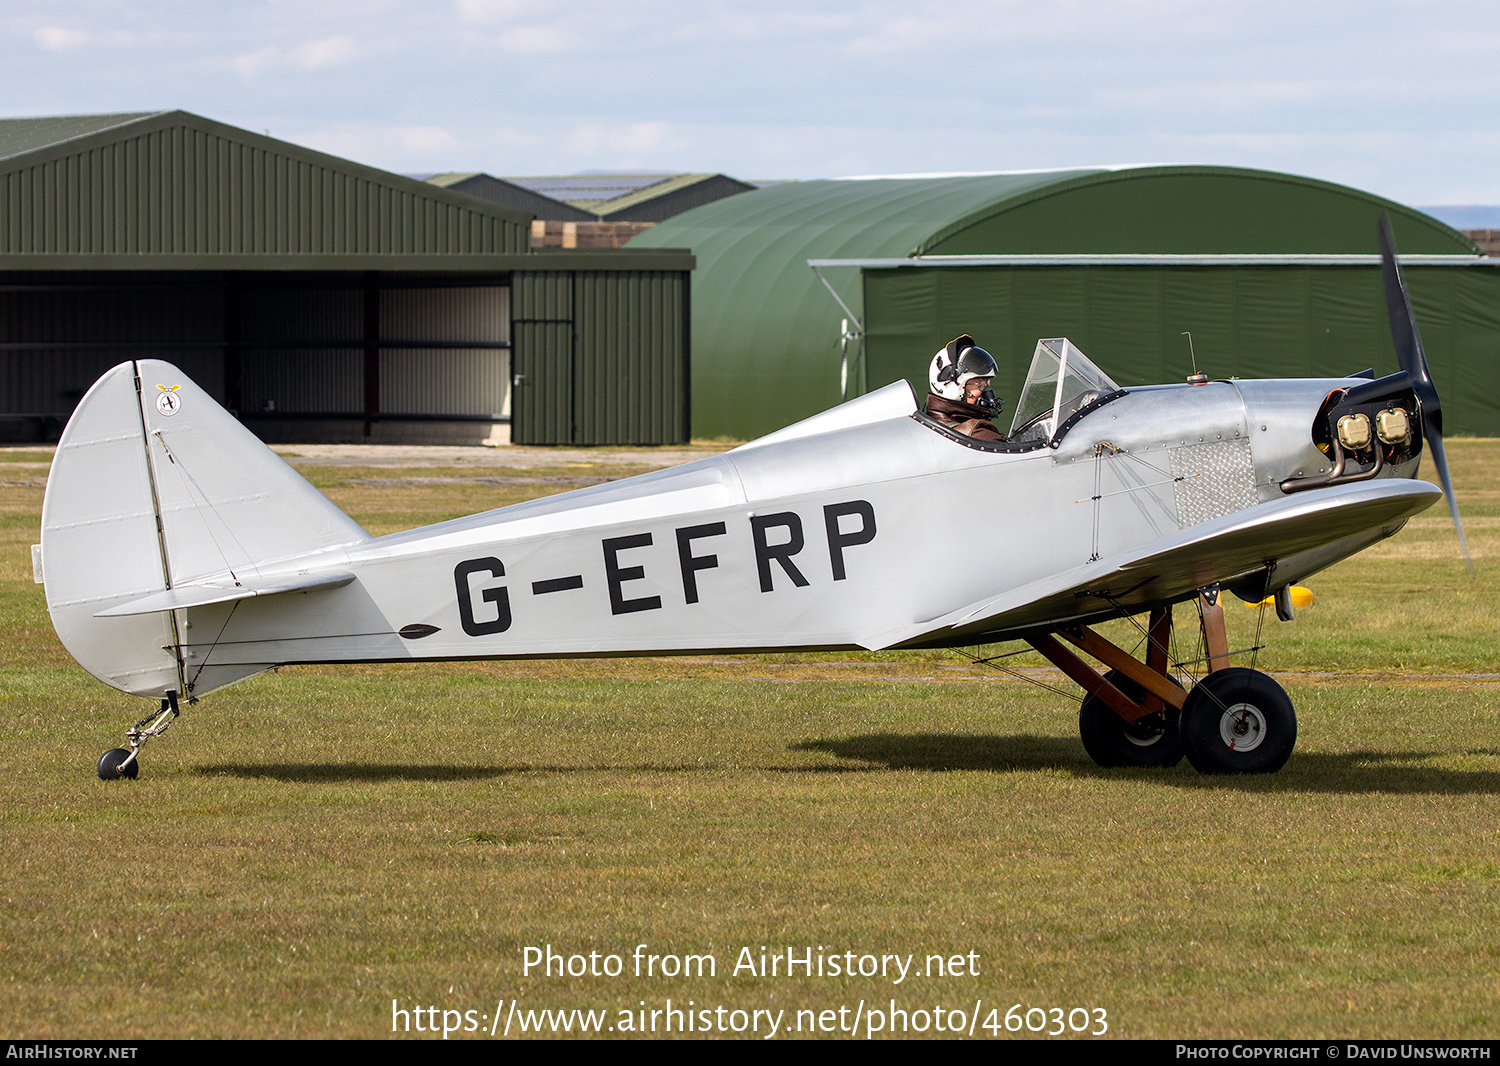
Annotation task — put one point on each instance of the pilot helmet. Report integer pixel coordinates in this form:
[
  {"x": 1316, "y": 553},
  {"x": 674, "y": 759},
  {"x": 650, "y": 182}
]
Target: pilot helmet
[{"x": 955, "y": 366}]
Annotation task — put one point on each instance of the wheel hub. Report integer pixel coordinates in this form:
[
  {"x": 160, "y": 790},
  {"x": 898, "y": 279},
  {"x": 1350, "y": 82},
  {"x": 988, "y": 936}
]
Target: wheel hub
[
  {"x": 1242, "y": 727},
  {"x": 1143, "y": 735}
]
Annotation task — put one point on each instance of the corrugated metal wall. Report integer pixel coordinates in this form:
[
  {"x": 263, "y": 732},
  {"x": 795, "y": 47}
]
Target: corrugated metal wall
[
  {"x": 282, "y": 369},
  {"x": 1254, "y": 322},
  {"x": 182, "y": 189},
  {"x": 454, "y": 364},
  {"x": 240, "y": 230},
  {"x": 443, "y": 349},
  {"x": 632, "y": 334},
  {"x": 444, "y": 384},
  {"x": 600, "y": 358},
  {"x": 320, "y": 382}
]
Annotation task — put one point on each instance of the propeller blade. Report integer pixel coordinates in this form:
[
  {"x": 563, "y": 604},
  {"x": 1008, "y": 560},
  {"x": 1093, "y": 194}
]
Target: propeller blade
[
  {"x": 1413, "y": 360},
  {"x": 1408, "y": 339},
  {"x": 1435, "y": 441}
]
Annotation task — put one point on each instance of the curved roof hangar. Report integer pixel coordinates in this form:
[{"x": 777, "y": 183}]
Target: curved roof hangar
[{"x": 766, "y": 334}]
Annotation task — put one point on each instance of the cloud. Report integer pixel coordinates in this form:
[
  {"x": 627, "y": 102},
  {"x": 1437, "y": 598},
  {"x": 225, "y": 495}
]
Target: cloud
[
  {"x": 252, "y": 63},
  {"x": 1394, "y": 95},
  {"x": 482, "y": 11},
  {"x": 631, "y": 140},
  {"x": 329, "y": 52},
  {"x": 58, "y": 39},
  {"x": 536, "y": 40},
  {"x": 425, "y": 138},
  {"x": 310, "y": 55},
  {"x": 61, "y": 39},
  {"x": 525, "y": 27},
  {"x": 413, "y": 148}
]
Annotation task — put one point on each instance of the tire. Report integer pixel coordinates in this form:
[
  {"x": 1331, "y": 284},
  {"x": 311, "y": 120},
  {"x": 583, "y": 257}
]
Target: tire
[
  {"x": 1238, "y": 721},
  {"x": 1111, "y": 741},
  {"x": 109, "y": 765}
]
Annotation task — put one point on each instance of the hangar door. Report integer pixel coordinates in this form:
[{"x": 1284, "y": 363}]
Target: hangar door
[
  {"x": 599, "y": 357},
  {"x": 297, "y": 355},
  {"x": 343, "y": 348}
]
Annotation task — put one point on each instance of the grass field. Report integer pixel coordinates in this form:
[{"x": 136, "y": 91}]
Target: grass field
[{"x": 307, "y": 846}]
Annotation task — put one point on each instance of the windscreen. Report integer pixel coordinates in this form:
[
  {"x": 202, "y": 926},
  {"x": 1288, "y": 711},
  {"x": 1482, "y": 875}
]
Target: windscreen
[{"x": 1061, "y": 380}]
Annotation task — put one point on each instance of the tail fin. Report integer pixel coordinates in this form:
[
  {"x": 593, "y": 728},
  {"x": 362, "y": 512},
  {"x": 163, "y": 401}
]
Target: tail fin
[{"x": 154, "y": 486}]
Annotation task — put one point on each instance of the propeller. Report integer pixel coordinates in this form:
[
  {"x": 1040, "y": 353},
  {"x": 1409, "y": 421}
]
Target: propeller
[{"x": 1413, "y": 361}]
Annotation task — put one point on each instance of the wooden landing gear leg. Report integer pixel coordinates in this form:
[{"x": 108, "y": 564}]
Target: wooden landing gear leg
[
  {"x": 1211, "y": 619},
  {"x": 1129, "y": 717}
]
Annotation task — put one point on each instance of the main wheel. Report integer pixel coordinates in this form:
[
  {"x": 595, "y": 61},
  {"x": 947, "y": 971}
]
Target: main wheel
[
  {"x": 1238, "y": 721},
  {"x": 109, "y": 765},
  {"x": 1112, "y": 741}
]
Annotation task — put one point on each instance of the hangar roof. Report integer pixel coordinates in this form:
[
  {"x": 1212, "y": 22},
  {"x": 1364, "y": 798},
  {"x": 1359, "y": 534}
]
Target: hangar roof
[
  {"x": 508, "y": 193},
  {"x": 19, "y": 135},
  {"x": 764, "y": 329},
  {"x": 1160, "y": 209},
  {"x": 580, "y": 189},
  {"x": 172, "y": 190},
  {"x": 635, "y": 197}
]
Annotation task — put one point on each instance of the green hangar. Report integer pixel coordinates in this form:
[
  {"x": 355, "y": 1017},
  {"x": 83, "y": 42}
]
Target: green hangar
[
  {"x": 808, "y": 291},
  {"x": 318, "y": 299}
]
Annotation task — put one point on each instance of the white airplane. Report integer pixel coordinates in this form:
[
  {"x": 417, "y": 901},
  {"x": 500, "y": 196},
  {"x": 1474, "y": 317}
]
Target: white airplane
[{"x": 181, "y": 555}]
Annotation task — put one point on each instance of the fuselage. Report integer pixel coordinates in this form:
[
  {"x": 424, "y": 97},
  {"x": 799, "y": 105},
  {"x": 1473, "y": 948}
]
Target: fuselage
[{"x": 861, "y": 521}]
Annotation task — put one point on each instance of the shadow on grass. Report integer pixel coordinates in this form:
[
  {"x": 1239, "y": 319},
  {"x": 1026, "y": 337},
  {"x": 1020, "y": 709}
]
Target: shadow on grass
[
  {"x": 940, "y": 751},
  {"x": 324, "y": 773},
  {"x": 320, "y": 773},
  {"x": 1357, "y": 771},
  {"x": 1349, "y": 772}
]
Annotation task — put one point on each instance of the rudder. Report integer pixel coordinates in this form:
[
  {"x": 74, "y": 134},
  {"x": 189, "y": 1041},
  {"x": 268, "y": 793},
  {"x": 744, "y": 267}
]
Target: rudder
[{"x": 154, "y": 486}]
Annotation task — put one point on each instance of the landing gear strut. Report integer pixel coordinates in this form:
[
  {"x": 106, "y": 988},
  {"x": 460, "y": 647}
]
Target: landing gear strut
[
  {"x": 118, "y": 762},
  {"x": 1234, "y": 721}
]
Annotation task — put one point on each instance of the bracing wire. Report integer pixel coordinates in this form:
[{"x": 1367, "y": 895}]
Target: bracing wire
[
  {"x": 992, "y": 662},
  {"x": 194, "y": 490},
  {"x": 1260, "y": 621},
  {"x": 235, "y": 606}
]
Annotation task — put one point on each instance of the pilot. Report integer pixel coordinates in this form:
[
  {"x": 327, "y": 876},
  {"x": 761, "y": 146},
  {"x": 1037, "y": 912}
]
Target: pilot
[{"x": 959, "y": 393}]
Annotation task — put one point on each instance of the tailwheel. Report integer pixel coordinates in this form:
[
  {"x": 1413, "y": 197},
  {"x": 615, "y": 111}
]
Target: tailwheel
[
  {"x": 1238, "y": 721},
  {"x": 117, "y": 763},
  {"x": 1111, "y": 741}
]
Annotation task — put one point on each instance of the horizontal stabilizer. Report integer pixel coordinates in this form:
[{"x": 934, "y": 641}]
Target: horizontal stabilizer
[{"x": 202, "y": 595}]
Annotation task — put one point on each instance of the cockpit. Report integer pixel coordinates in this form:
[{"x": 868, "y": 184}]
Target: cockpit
[{"x": 1061, "y": 386}]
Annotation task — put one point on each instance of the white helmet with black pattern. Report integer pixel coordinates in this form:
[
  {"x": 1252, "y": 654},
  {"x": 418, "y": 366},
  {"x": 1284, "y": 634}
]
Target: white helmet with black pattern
[{"x": 958, "y": 363}]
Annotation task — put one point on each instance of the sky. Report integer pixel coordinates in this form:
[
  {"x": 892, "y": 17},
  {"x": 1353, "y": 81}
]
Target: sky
[{"x": 1399, "y": 97}]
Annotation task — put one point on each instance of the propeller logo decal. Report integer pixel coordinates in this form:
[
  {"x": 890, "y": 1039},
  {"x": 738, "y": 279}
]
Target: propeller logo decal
[{"x": 167, "y": 400}]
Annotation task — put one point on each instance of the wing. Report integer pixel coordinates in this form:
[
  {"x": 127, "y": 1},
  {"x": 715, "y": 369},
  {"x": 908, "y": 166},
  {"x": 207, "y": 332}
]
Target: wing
[{"x": 1346, "y": 518}]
